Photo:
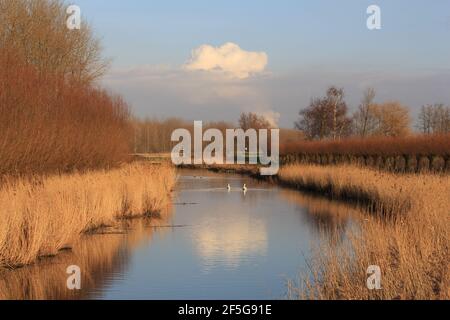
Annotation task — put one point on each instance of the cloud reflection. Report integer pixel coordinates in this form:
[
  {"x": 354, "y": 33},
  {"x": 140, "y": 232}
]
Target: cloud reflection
[{"x": 235, "y": 241}]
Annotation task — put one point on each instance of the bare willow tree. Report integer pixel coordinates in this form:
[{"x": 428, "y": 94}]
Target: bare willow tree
[
  {"x": 325, "y": 118},
  {"x": 434, "y": 118},
  {"x": 392, "y": 119},
  {"x": 52, "y": 116},
  {"x": 152, "y": 135},
  {"x": 36, "y": 31},
  {"x": 364, "y": 121},
  {"x": 252, "y": 120}
]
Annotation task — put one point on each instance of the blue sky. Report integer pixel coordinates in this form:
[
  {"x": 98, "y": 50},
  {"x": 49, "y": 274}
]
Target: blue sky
[{"x": 297, "y": 36}]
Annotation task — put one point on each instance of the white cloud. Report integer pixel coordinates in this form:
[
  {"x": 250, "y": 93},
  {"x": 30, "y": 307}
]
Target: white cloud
[
  {"x": 229, "y": 59},
  {"x": 271, "y": 116}
]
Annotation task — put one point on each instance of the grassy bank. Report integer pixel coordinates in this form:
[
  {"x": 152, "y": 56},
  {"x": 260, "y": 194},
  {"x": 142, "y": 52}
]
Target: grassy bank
[
  {"x": 411, "y": 248},
  {"x": 43, "y": 215},
  {"x": 380, "y": 192}
]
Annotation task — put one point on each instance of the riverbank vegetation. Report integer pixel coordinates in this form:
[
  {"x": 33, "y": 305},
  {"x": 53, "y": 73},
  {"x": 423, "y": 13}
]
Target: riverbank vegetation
[
  {"x": 56, "y": 123},
  {"x": 433, "y": 145},
  {"x": 98, "y": 256},
  {"x": 328, "y": 118},
  {"x": 66, "y": 142},
  {"x": 57, "y": 126},
  {"x": 153, "y": 135},
  {"x": 405, "y": 234},
  {"x": 42, "y": 215},
  {"x": 53, "y": 116},
  {"x": 380, "y": 135}
]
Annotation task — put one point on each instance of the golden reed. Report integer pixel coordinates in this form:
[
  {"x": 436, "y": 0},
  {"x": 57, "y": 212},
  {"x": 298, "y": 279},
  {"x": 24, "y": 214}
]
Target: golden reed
[
  {"x": 40, "y": 216},
  {"x": 411, "y": 246}
]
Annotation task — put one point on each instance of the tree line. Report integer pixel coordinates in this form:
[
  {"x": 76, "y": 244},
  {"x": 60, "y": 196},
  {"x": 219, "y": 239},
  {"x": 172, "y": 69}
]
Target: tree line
[
  {"x": 328, "y": 118},
  {"x": 325, "y": 118},
  {"x": 53, "y": 115},
  {"x": 153, "y": 135}
]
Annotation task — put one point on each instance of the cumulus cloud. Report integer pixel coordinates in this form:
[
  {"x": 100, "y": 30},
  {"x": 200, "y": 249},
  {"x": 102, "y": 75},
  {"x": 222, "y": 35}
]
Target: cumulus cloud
[{"x": 229, "y": 59}]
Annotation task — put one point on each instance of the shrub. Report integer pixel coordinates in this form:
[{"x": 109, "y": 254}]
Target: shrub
[
  {"x": 52, "y": 124},
  {"x": 438, "y": 145}
]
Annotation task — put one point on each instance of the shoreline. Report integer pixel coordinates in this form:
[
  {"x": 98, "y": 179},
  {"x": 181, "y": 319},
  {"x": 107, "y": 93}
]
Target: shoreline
[
  {"x": 43, "y": 216},
  {"x": 309, "y": 188}
]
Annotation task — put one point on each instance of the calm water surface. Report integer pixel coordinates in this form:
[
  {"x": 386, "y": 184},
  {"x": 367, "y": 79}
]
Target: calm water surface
[{"x": 214, "y": 244}]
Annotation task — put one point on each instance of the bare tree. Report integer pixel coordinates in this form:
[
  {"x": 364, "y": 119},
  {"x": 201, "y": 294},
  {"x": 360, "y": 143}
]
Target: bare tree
[
  {"x": 425, "y": 119},
  {"x": 154, "y": 136},
  {"x": 335, "y": 97},
  {"x": 392, "y": 119},
  {"x": 325, "y": 117},
  {"x": 363, "y": 119},
  {"x": 434, "y": 119},
  {"x": 442, "y": 119},
  {"x": 35, "y": 30},
  {"x": 253, "y": 121}
]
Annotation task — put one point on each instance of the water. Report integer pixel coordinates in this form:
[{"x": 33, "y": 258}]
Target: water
[{"x": 214, "y": 244}]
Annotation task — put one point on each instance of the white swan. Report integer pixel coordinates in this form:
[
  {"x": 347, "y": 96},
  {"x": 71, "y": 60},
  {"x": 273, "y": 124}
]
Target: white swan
[
  {"x": 244, "y": 188},
  {"x": 228, "y": 187}
]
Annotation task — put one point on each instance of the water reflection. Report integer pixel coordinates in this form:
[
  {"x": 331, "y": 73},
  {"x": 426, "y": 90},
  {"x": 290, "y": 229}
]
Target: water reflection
[
  {"x": 329, "y": 219},
  {"x": 234, "y": 239},
  {"x": 101, "y": 257},
  {"x": 215, "y": 245}
]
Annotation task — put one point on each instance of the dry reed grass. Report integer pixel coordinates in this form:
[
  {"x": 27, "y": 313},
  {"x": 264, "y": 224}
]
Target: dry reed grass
[
  {"x": 379, "y": 191},
  {"x": 42, "y": 215},
  {"x": 411, "y": 248}
]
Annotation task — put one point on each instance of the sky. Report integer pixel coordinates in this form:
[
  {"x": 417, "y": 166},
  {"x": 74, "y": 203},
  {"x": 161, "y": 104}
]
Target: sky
[{"x": 211, "y": 60}]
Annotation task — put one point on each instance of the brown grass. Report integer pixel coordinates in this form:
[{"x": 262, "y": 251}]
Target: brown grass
[
  {"x": 410, "y": 145},
  {"x": 412, "y": 248},
  {"x": 42, "y": 215},
  {"x": 378, "y": 191}
]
